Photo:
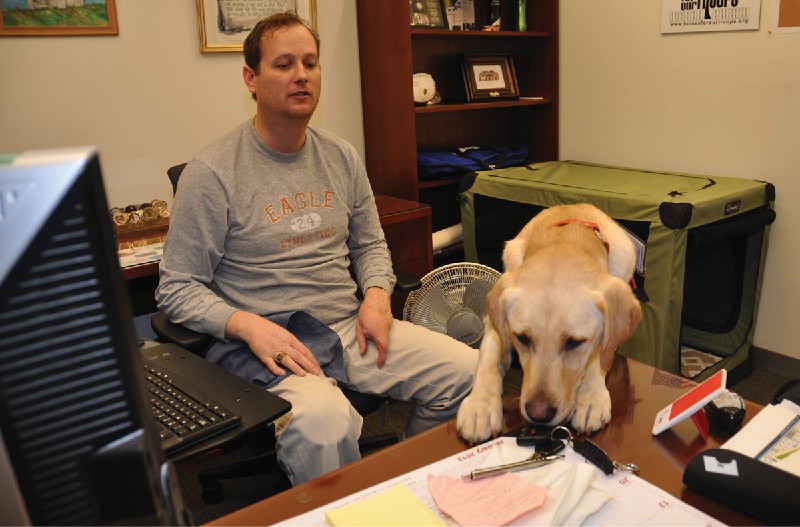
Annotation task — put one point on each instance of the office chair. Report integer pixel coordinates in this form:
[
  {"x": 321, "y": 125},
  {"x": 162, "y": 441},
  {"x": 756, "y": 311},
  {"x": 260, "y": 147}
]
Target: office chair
[{"x": 198, "y": 343}]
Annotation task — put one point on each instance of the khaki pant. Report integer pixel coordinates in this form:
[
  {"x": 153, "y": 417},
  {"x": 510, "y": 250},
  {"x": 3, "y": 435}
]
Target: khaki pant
[{"x": 432, "y": 370}]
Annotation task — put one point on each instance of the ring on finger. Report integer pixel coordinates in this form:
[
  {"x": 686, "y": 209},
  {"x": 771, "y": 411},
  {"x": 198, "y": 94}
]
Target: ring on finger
[{"x": 279, "y": 357}]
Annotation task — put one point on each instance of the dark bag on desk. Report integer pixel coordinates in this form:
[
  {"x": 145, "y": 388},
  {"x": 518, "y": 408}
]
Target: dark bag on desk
[
  {"x": 447, "y": 164},
  {"x": 756, "y": 488}
]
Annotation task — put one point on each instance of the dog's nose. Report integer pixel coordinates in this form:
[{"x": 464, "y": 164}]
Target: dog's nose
[{"x": 540, "y": 411}]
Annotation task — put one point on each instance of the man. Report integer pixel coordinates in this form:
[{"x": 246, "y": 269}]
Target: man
[{"x": 267, "y": 225}]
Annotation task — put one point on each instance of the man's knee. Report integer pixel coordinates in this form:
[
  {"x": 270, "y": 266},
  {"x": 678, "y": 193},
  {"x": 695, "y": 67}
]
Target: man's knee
[
  {"x": 328, "y": 422},
  {"x": 463, "y": 364}
]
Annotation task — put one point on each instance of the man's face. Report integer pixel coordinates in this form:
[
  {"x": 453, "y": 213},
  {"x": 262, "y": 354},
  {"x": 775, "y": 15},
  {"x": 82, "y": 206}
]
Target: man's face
[{"x": 289, "y": 78}]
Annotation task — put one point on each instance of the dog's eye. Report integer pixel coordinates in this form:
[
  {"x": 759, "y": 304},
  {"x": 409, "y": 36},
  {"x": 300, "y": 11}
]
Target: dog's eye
[
  {"x": 523, "y": 339},
  {"x": 573, "y": 343}
]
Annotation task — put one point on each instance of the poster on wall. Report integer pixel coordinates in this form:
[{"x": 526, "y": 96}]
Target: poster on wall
[
  {"x": 785, "y": 16},
  {"x": 694, "y": 16},
  {"x": 224, "y": 24},
  {"x": 35, "y": 18}
]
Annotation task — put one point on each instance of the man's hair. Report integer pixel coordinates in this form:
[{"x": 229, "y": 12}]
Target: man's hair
[{"x": 252, "y": 44}]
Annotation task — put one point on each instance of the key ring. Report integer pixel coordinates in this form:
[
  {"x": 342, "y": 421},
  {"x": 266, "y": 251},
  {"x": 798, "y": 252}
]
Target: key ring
[
  {"x": 633, "y": 468},
  {"x": 568, "y": 439}
]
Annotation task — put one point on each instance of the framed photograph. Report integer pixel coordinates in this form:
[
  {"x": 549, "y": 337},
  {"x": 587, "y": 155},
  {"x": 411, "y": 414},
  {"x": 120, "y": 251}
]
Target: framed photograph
[
  {"x": 428, "y": 14},
  {"x": 224, "y": 24},
  {"x": 37, "y": 18},
  {"x": 489, "y": 76}
]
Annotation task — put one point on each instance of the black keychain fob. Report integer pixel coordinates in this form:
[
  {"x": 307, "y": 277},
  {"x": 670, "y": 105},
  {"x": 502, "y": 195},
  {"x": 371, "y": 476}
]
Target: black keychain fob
[{"x": 533, "y": 435}]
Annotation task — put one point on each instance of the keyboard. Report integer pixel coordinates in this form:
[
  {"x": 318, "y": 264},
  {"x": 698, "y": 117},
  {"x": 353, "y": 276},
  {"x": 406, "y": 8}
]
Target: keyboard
[{"x": 184, "y": 414}]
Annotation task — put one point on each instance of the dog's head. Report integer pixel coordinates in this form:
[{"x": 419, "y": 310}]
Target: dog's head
[{"x": 560, "y": 320}]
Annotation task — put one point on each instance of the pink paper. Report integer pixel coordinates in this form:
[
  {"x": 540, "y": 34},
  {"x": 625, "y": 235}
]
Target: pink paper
[{"x": 492, "y": 501}]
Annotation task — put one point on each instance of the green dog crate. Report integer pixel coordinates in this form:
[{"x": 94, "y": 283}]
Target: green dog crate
[{"x": 704, "y": 239}]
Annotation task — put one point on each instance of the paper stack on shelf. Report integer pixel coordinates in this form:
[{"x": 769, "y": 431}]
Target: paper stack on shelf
[{"x": 141, "y": 255}]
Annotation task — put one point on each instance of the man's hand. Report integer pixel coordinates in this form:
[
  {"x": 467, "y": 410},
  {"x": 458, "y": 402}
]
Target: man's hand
[
  {"x": 275, "y": 346},
  {"x": 374, "y": 321}
]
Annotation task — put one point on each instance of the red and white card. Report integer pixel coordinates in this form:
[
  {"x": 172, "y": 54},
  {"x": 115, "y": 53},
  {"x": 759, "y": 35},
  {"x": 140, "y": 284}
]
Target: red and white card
[{"x": 691, "y": 405}]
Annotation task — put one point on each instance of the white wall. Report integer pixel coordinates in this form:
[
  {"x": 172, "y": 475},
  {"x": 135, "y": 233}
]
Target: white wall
[
  {"x": 725, "y": 104},
  {"x": 718, "y": 104}
]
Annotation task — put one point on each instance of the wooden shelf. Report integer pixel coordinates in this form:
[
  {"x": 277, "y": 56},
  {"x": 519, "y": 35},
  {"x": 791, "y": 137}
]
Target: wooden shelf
[
  {"x": 427, "y": 184},
  {"x": 479, "y": 34},
  {"x": 483, "y": 105},
  {"x": 395, "y": 129}
]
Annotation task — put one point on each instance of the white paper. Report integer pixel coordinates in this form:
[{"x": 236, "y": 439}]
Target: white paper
[
  {"x": 761, "y": 429},
  {"x": 771, "y": 436},
  {"x": 626, "y": 499},
  {"x": 141, "y": 255}
]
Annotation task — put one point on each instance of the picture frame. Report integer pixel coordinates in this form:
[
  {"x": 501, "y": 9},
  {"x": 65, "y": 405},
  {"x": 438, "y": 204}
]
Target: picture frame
[
  {"x": 19, "y": 19},
  {"x": 430, "y": 14},
  {"x": 225, "y": 24},
  {"x": 489, "y": 76}
]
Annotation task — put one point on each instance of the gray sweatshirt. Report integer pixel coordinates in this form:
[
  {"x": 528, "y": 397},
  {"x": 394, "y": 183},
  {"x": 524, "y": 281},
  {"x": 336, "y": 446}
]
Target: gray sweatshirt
[{"x": 256, "y": 230}]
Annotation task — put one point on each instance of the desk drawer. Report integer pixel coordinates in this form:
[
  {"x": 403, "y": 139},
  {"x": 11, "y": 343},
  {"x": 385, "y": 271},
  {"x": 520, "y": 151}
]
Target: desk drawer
[{"x": 408, "y": 241}]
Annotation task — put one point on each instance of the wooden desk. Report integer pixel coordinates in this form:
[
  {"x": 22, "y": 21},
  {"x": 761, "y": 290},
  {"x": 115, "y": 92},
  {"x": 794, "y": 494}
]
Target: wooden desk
[
  {"x": 142, "y": 279},
  {"x": 407, "y": 227},
  {"x": 638, "y": 392}
]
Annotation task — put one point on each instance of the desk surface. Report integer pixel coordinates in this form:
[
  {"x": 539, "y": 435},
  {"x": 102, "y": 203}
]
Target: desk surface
[{"x": 638, "y": 392}]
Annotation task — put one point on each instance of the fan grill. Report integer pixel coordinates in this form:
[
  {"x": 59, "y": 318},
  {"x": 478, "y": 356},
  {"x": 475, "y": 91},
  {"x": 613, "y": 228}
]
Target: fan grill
[{"x": 452, "y": 300}]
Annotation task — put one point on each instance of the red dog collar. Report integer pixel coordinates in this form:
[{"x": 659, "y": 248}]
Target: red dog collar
[
  {"x": 588, "y": 225},
  {"x": 596, "y": 229}
]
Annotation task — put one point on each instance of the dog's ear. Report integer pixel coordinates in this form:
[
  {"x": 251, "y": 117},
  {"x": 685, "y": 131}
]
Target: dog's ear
[
  {"x": 498, "y": 301},
  {"x": 513, "y": 254},
  {"x": 622, "y": 314}
]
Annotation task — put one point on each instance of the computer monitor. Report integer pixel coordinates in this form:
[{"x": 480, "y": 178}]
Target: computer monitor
[{"x": 78, "y": 443}]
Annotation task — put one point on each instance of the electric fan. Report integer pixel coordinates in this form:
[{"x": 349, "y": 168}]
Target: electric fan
[{"x": 452, "y": 300}]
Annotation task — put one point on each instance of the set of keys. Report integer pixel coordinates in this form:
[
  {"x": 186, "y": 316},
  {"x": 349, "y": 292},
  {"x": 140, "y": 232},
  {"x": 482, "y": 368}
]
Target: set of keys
[{"x": 548, "y": 443}]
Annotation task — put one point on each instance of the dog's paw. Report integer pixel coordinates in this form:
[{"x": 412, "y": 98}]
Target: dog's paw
[
  {"x": 592, "y": 412},
  {"x": 479, "y": 417}
]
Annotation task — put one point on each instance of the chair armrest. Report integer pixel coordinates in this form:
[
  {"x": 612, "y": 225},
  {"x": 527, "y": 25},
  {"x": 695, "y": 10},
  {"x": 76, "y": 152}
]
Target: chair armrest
[
  {"x": 406, "y": 282},
  {"x": 181, "y": 336}
]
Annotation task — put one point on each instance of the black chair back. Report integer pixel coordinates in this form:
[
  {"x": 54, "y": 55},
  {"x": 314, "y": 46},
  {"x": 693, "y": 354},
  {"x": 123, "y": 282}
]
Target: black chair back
[{"x": 174, "y": 174}]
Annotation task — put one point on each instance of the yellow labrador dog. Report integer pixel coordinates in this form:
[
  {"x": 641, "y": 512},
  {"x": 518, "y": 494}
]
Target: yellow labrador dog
[{"x": 565, "y": 303}]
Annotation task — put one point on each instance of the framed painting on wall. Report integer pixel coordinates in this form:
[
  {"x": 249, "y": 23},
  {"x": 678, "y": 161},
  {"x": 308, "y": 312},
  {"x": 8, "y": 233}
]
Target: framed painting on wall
[
  {"x": 224, "y": 24},
  {"x": 36, "y": 18}
]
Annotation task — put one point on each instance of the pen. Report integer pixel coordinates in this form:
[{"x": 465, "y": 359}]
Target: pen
[{"x": 532, "y": 462}]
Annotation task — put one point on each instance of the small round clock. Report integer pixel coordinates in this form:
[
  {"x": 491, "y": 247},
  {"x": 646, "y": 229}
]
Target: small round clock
[{"x": 424, "y": 88}]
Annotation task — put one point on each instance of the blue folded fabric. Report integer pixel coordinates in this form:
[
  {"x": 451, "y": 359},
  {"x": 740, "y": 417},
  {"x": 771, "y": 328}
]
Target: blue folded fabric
[{"x": 236, "y": 356}]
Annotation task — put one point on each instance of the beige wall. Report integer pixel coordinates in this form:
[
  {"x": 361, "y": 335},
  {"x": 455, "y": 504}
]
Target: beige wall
[
  {"x": 724, "y": 104},
  {"x": 719, "y": 104},
  {"x": 148, "y": 97}
]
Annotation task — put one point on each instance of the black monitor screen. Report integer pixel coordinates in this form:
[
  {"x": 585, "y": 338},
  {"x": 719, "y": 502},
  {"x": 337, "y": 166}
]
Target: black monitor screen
[{"x": 74, "y": 418}]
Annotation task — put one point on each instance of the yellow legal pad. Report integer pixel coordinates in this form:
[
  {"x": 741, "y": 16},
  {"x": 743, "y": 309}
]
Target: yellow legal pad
[{"x": 394, "y": 506}]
